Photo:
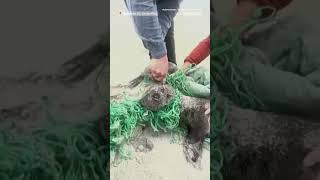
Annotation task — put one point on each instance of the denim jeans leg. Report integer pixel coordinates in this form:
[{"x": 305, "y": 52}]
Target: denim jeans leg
[
  {"x": 147, "y": 25},
  {"x": 153, "y": 30},
  {"x": 167, "y": 10}
]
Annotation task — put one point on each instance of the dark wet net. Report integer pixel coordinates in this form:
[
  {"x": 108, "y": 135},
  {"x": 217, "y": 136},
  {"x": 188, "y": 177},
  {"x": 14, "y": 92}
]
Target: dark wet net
[
  {"x": 65, "y": 152},
  {"x": 229, "y": 80}
]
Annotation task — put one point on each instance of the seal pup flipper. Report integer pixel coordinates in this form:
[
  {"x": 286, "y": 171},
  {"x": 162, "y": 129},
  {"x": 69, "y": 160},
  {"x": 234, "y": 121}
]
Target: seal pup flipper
[{"x": 136, "y": 81}]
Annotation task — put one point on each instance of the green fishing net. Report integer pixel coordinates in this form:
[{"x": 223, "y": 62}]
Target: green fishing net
[
  {"x": 230, "y": 81},
  {"x": 127, "y": 114},
  {"x": 65, "y": 152},
  {"x": 226, "y": 70},
  {"x": 217, "y": 122}
]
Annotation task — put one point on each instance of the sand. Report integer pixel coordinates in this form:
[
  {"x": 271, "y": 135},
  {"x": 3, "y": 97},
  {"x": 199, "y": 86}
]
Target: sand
[{"x": 165, "y": 161}]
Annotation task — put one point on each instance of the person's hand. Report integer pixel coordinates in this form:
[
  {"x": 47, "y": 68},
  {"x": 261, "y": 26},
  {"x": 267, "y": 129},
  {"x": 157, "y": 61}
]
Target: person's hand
[
  {"x": 158, "y": 68},
  {"x": 186, "y": 65}
]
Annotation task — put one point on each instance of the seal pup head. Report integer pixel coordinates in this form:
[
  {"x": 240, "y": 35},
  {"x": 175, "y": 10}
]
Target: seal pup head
[{"x": 157, "y": 96}]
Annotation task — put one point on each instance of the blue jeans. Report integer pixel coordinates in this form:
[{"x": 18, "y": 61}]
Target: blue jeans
[{"x": 154, "y": 25}]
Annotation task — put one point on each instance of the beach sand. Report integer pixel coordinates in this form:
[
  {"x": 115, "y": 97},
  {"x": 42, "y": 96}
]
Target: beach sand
[{"x": 162, "y": 160}]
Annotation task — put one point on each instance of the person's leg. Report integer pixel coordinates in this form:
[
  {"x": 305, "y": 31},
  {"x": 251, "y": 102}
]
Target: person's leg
[
  {"x": 170, "y": 44},
  {"x": 147, "y": 26},
  {"x": 167, "y": 10}
]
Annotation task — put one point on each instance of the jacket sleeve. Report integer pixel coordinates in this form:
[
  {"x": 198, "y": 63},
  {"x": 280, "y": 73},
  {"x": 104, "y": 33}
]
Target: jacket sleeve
[{"x": 200, "y": 52}]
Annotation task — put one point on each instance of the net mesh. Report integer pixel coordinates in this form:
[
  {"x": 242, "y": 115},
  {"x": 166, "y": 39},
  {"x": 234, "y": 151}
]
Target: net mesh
[
  {"x": 68, "y": 151},
  {"x": 127, "y": 114},
  {"x": 227, "y": 78}
]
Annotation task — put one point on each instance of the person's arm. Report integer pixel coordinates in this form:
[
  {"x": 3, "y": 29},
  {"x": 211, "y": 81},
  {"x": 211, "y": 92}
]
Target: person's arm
[
  {"x": 147, "y": 25},
  {"x": 199, "y": 53}
]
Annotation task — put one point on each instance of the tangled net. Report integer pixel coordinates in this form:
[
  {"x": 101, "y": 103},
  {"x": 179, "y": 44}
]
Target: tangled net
[
  {"x": 126, "y": 115},
  {"x": 225, "y": 53},
  {"x": 65, "y": 152},
  {"x": 228, "y": 79},
  {"x": 226, "y": 72}
]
